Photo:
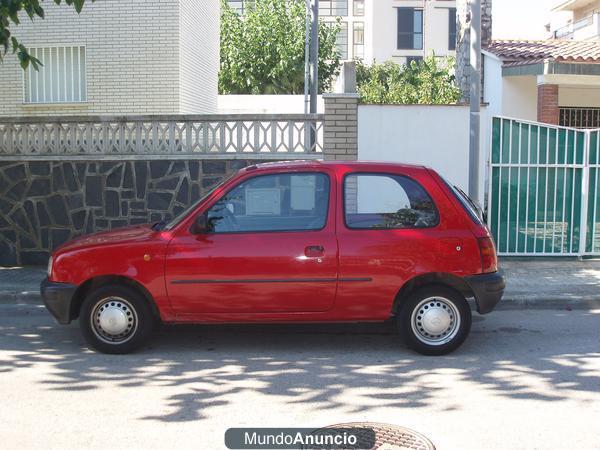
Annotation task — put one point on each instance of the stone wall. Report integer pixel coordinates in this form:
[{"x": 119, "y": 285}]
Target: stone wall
[
  {"x": 47, "y": 199},
  {"x": 46, "y": 203},
  {"x": 463, "y": 44}
]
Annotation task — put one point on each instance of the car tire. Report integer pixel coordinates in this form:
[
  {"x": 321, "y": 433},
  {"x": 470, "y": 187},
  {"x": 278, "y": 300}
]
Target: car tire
[
  {"x": 116, "y": 319},
  {"x": 434, "y": 320}
]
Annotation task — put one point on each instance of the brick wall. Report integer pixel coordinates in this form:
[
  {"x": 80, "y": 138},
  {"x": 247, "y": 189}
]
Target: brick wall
[
  {"x": 134, "y": 62},
  {"x": 547, "y": 104},
  {"x": 340, "y": 140},
  {"x": 199, "y": 46}
]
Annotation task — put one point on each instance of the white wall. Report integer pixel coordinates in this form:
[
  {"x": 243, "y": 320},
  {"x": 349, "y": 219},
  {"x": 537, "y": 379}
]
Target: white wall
[
  {"x": 432, "y": 135},
  {"x": 519, "y": 97},
  {"x": 511, "y": 96},
  {"x": 265, "y": 104},
  {"x": 582, "y": 96},
  {"x": 492, "y": 86}
]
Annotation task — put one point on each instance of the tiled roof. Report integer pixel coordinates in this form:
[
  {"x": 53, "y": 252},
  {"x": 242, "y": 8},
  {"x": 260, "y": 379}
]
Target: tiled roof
[{"x": 554, "y": 50}]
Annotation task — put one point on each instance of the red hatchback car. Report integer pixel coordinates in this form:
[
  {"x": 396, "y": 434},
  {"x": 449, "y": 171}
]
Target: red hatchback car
[{"x": 289, "y": 242}]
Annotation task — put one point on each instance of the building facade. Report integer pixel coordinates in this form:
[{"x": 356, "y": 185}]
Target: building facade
[
  {"x": 116, "y": 57},
  {"x": 405, "y": 30},
  {"x": 388, "y": 30},
  {"x": 553, "y": 81},
  {"x": 575, "y": 19}
]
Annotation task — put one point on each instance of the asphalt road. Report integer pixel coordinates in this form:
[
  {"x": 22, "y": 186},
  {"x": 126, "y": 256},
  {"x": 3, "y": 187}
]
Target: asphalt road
[{"x": 523, "y": 380}]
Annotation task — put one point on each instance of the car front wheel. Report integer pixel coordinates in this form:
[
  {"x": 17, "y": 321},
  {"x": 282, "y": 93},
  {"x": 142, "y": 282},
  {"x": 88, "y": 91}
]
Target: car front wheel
[
  {"x": 435, "y": 320},
  {"x": 115, "y": 319}
]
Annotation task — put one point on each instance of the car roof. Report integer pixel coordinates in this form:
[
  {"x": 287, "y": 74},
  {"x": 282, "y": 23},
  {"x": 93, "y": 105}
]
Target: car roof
[{"x": 352, "y": 165}]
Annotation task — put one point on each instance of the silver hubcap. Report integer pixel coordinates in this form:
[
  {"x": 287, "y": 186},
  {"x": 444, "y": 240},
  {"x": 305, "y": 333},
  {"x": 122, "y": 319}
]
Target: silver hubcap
[
  {"x": 435, "y": 321},
  {"x": 114, "y": 320}
]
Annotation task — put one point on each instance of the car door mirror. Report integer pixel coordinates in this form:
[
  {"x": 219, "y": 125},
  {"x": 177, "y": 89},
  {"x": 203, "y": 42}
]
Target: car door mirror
[{"x": 200, "y": 225}]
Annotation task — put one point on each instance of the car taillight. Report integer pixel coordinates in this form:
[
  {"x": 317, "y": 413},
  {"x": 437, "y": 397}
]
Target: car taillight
[{"x": 489, "y": 261}]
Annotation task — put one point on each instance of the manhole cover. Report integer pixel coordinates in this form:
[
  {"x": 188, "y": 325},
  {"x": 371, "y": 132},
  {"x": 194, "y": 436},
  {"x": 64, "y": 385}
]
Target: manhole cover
[{"x": 390, "y": 437}]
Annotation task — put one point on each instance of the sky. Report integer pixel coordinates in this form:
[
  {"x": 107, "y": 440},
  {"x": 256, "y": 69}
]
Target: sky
[{"x": 520, "y": 19}]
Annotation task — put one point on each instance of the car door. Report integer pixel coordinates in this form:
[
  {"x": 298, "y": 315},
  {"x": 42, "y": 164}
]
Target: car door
[
  {"x": 270, "y": 247},
  {"x": 387, "y": 232}
]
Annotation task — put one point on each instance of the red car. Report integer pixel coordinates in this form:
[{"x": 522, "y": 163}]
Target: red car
[{"x": 289, "y": 242}]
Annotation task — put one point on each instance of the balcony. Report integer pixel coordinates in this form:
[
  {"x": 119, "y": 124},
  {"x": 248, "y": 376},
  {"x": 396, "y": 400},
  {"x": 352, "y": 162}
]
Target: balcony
[{"x": 586, "y": 28}]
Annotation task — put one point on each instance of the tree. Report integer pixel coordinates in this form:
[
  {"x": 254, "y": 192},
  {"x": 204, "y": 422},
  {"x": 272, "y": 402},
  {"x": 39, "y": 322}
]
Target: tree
[
  {"x": 262, "y": 52},
  {"x": 430, "y": 81},
  {"x": 9, "y": 14}
]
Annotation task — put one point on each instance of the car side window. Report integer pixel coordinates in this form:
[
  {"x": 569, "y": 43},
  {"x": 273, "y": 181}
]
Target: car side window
[
  {"x": 383, "y": 201},
  {"x": 279, "y": 202}
]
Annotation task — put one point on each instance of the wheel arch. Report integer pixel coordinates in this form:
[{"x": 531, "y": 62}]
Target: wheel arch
[
  {"x": 433, "y": 278},
  {"x": 94, "y": 283}
]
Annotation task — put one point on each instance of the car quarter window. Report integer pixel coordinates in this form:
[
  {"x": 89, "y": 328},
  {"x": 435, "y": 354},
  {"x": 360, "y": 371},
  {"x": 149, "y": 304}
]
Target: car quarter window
[
  {"x": 383, "y": 201},
  {"x": 279, "y": 202}
]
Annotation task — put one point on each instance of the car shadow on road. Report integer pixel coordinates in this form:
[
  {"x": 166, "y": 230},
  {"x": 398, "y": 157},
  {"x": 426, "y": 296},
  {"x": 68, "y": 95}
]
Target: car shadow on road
[{"x": 201, "y": 367}]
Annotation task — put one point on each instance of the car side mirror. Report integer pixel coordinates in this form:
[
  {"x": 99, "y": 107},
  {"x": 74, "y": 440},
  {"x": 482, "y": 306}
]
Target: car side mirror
[{"x": 200, "y": 225}]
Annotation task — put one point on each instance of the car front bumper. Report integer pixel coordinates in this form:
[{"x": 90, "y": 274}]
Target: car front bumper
[
  {"x": 58, "y": 298},
  {"x": 488, "y": 289}
]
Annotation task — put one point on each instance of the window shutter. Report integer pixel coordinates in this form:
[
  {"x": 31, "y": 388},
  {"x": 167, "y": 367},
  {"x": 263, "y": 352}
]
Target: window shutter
[
  {"x": 452, "y": 29},
  {"x": 405, "y": 28}
]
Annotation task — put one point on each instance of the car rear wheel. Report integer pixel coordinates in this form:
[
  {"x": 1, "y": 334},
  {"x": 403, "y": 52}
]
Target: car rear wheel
[
  {"x": 435, "y": 320},
  {"x": 115, "y": 319}
]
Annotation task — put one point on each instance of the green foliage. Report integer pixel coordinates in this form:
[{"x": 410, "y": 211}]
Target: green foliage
[
  {"x": 9, "y": 14},
  {"x": 262, "y": 52},
  {"x": 430, "y": 81}
]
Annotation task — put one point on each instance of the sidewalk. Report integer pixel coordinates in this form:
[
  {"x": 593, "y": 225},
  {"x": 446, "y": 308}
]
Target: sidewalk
[
  {"x": 531, "y": 284},
  {"x": 551, "y": 283},
  {"x": 21, "y": 284}
]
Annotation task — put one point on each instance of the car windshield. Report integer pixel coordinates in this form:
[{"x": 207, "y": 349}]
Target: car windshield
[{"x": 183, "y": 214}]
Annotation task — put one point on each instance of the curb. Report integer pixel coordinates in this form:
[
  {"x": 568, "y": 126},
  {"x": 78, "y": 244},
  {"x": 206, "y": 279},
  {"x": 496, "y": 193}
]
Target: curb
[
  {"x": 506, "y": 304},
  {"x": 564, "y": 304}
]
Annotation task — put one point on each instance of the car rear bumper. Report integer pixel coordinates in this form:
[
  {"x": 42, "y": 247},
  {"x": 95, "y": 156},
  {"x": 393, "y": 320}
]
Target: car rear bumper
[
  {"x": 488, "y": 289},
  {"x": 58, "y": 298}
]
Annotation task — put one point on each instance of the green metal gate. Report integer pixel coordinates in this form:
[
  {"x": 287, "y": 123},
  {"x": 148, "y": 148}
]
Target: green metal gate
[{"x": 543, "y": 189}]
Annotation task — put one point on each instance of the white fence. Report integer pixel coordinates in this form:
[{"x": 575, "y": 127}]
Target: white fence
[{"x": 217, "y": 136}]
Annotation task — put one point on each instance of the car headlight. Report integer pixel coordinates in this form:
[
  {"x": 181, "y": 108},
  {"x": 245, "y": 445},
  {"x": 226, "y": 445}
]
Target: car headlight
[{"x": 50, "y": 267}]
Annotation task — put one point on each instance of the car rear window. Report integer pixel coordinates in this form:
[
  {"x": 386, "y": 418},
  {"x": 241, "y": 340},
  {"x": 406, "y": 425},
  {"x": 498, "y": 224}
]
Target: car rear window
[{"x": 386, "y": 201}]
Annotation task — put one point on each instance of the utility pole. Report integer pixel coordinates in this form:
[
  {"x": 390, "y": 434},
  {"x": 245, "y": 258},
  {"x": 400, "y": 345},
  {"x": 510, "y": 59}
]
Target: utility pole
[
  {"x": 314, "y": 57},
  {"x": 475, "y": 100}
]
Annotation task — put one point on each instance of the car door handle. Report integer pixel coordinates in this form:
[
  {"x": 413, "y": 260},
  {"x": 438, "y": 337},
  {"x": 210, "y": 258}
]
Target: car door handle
[{"x": 314, "y": 251}]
